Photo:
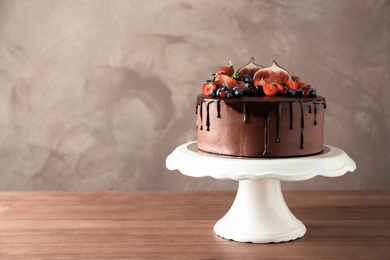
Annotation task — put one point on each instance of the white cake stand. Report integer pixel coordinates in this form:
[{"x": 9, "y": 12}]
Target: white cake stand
[{"x": 259, "y": 213}]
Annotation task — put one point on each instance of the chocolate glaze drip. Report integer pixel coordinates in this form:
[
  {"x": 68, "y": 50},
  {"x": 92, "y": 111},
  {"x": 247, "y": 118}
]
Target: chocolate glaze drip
[
  {"x": 201, "y": 116},
  {"x": 207, "y": 105},
  {"x": 264, "y": 111},
  {"x": 316, "y": 108},
  {"x": 291, "y": 114},
  {"x": 208, "y": 114},
  {"x": 218, "y": 108},
  {"x": 304, "y": 106},
  {"x": 278, "y": 118}
]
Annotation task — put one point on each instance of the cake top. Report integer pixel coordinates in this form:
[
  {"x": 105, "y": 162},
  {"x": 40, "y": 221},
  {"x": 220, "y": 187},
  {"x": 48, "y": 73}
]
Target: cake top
[{"x": 253, "y": 79}]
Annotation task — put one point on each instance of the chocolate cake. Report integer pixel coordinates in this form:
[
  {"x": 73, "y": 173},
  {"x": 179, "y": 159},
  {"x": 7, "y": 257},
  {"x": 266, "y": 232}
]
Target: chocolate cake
[
  {"x": 262, "y": 117},
  {"x": 261, "y": 126}
]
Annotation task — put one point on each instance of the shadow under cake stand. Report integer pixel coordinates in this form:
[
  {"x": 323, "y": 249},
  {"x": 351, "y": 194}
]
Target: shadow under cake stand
[{"x": 259, "y": 213}]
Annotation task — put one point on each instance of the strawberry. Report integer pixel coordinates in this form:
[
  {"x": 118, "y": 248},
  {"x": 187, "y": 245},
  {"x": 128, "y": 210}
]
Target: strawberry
[
  {"x": 259, "y": 82},
  {"x": 297, "y": 79},
  {"x": 208, "y": 88},
  {"x": 278, "y": 85},
  {"x": 301, "y": 84},
  {"x": 242, "y": 84},
  {"x": 291, "y": 84},
  {"x": 228, "y": 81},
  {"x": 218, "y": 79},
  {"x": 270, "y": 88},
  {"x": 226, "y": 70}
]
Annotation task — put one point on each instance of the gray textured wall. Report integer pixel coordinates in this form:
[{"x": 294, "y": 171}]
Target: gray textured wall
[{"x": 96, "y": 94}]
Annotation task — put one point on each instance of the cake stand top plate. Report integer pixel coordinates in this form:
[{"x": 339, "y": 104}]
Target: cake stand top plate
[{"x": 332, "y": 162}]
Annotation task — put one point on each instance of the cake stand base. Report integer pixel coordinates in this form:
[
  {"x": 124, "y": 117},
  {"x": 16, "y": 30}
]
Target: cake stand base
[{"x": 259, "y": 214}]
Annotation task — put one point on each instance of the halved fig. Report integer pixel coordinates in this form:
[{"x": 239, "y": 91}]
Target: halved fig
[
  {"x": 249, "y": 69},
  {"x": 272, "y": 73}
]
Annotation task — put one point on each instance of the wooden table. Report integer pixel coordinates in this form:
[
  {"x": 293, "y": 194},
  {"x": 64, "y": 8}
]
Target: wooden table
[{"x": 179, "y": 225}]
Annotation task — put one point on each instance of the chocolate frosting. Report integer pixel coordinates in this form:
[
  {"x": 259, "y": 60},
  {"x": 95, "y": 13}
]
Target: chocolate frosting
[{"x": 265, "y": 108}]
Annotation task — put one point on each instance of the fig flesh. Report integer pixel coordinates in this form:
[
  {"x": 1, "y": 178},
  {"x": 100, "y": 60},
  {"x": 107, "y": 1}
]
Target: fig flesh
[
  {"x": 272, "y": 73},
  {"x": 250, "y": 68}
]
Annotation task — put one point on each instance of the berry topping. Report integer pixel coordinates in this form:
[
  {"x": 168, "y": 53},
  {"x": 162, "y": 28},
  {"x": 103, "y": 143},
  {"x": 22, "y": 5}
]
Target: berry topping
[
  {"x": 253, "y": 79},
  {"x": 312, "y": 92},
  {"x": 246, "y": 91},
  {"x": 259, "y": 90},
  {"x": 298, "y": 92},
  {"x": 228, "y": 81},
  {"x": 229, "y": 71},
  {"x": 208, "y": 88},
  {"x": 222, "y": 94},
  {"x": 291, "y": 84},
  {"x": 238, "y": 93},
  {"x": 305, "y": 93},
  {"x": 247, "y": 79},
  {"x": 291, "y": 92},
  {"x": 282, "y": 92},
  {"x": 270, "y": 89}
]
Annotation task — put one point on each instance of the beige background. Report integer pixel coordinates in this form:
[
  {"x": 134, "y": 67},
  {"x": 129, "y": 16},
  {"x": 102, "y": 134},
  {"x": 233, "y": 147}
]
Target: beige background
[{"x": 95, "y": 94}]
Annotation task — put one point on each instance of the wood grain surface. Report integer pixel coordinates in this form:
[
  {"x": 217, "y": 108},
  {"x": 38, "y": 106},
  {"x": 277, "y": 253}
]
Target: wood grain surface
[{"x": 179, "y": 225}]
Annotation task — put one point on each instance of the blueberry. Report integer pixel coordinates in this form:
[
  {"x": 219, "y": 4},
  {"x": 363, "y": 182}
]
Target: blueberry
[
  {"x": 259, "y": 89},
  {"x": 312, "y": 92},
  {"x": 246, "y": 91},
  {"x": 291, "y": 92},
  {"x": 247, "y": 79},
  {"x": 218, "y": 92},
  {"x": 213, "y": 93},
  {"x": 285, "y": 87},
  {"x": 236, "y": 88},
  {"x": 226, "y": 89},
  {"x": 229, "y": 95},
  {"x": 238, "y": 93},
  {"x": 298, "y": 92}
]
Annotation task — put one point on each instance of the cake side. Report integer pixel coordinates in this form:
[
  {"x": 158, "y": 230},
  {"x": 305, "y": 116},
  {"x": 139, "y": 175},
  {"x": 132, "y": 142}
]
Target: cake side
[{"x": 260, "y": 126}]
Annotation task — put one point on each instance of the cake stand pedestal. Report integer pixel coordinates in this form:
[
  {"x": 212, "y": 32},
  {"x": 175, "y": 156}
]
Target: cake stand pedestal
[{"x": 259, "y": 213}]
